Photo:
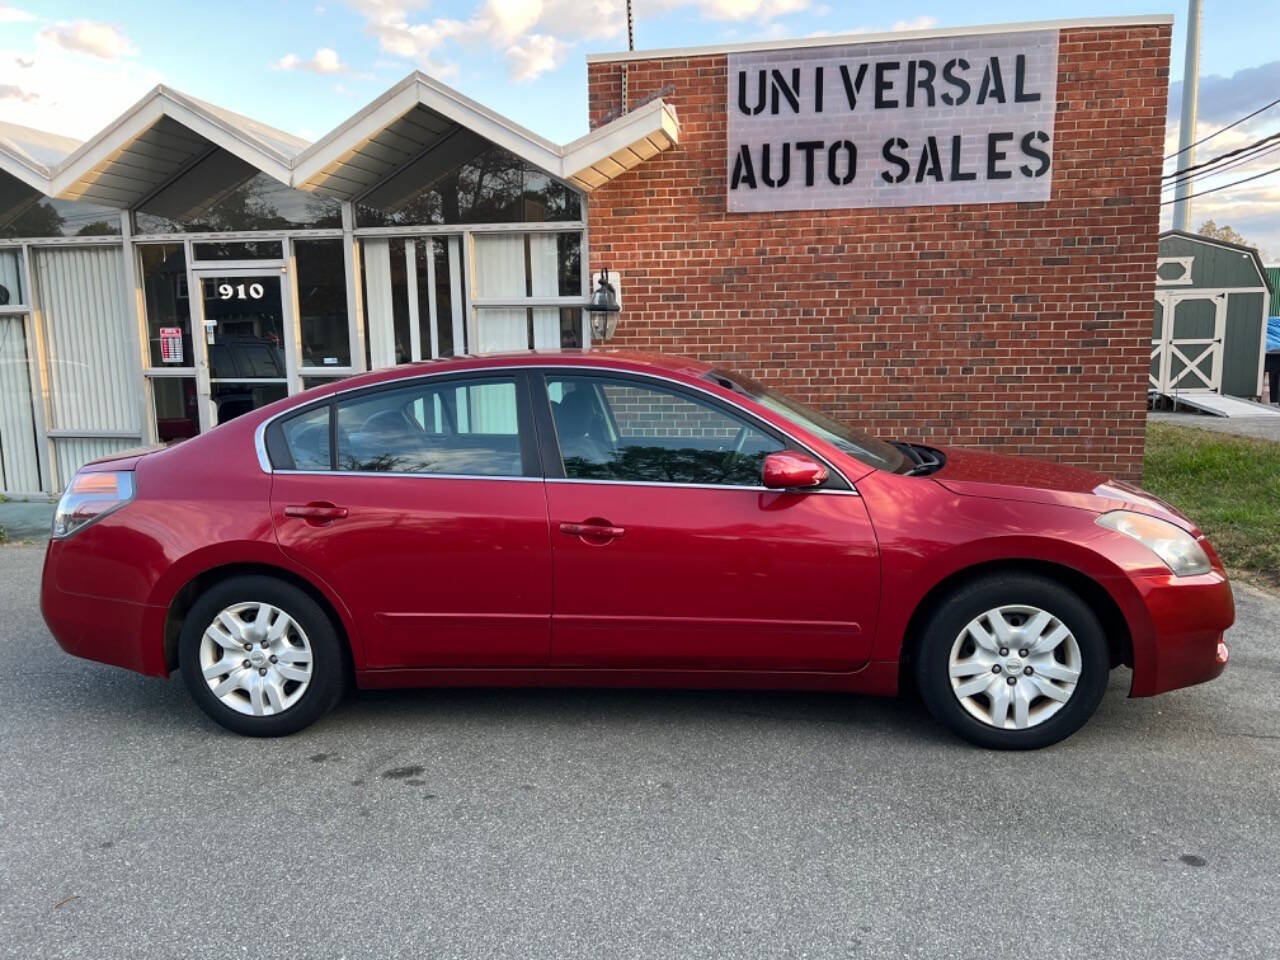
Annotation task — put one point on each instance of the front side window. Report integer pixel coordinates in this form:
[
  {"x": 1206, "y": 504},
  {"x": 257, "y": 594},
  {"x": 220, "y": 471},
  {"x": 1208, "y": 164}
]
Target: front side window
[
  {"x": 632, "y": 431},
  {"x": 468, "y": 428}
]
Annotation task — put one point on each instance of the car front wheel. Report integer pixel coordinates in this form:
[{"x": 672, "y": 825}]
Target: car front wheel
[
  {"x": 1013, "y": 662},
  {"x": 261, "y": 657}
]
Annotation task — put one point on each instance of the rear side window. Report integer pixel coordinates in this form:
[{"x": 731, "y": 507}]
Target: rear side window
[
  {"x": 466, "y": 428},
  {"x": 307, "y": 438}
]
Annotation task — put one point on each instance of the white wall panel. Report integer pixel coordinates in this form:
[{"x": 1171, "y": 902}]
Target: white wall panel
[
  {"x": 19, "y": 465},
  {"x": 72, "y": 454},
  {"x": 91, "y": 344}
]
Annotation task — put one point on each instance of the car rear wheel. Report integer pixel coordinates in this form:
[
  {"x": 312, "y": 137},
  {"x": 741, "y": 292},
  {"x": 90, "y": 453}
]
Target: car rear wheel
[
  {"x": 261, "y": 657},
  {"x": 1013, "y": 662}
]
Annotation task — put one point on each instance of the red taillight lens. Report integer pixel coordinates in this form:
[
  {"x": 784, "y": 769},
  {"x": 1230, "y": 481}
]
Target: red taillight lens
[{"x": 89, "y": 497}]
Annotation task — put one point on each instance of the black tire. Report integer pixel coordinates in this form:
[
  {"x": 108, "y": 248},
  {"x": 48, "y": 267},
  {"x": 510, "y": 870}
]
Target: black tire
[
  {"x": 328, "y": 664},
  {"x": 958, "y": 609}
]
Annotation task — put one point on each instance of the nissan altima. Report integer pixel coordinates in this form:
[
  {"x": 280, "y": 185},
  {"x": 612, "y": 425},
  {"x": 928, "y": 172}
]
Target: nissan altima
[{"x": 621, "y": 519}]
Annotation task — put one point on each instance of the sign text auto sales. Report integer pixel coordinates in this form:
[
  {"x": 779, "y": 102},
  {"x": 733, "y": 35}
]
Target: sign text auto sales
[{"x": 965, "y": 119}]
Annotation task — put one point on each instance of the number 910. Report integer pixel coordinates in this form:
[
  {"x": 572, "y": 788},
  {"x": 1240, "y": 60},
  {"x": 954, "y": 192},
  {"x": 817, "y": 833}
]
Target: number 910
[{"x": 240, "y": 291}]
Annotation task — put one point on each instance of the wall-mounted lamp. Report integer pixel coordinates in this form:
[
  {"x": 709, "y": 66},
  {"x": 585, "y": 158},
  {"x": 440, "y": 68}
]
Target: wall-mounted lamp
[{"x": 604, "y": 307}]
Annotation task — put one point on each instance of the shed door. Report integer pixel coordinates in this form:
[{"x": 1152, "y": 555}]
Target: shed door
[{"x": 1186, "y": 354}]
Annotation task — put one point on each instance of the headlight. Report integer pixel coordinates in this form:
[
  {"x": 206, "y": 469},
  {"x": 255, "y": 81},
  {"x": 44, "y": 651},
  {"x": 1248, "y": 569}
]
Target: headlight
[
  {"x": 90, "y": 497},
  {"x": 1177, "y": 548}
]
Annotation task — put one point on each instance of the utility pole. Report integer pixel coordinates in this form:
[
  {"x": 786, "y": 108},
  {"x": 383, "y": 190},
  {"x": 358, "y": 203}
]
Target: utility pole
[{"x": 1187, "y": 125}]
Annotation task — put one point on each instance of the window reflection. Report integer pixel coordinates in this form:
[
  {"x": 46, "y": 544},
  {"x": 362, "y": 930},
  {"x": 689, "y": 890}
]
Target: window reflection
[
  {"x": 168, "y": 301},
  {"x": 494, "y": 187},
  {"x": 52, "y": 217},
  {"x": 223, "y": 193}
]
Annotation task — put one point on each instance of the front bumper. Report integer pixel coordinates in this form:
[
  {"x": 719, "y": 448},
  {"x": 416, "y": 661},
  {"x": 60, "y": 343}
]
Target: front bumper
[{"x": 1180, "y": 640}]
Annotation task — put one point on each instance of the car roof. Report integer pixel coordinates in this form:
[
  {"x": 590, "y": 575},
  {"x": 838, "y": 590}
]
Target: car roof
[{"x": 624, "y": 360}]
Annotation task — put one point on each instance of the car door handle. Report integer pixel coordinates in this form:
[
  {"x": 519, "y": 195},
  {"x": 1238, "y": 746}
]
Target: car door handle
[
  {"x": 592, "y": 531},
  {"x": 319, "y": 512}
]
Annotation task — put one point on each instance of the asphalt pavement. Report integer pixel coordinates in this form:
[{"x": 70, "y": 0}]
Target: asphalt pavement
[{"x": 613, "y": 824}]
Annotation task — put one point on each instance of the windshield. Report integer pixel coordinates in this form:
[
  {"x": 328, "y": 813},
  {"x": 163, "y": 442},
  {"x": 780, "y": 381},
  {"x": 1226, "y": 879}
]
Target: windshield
[{"x": 872, "y": 452}]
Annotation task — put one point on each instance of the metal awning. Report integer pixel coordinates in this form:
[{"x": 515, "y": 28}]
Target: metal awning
[
  {"x": 160, "y": 136},
  {"x": 416, "y": 127},
  {"x": 421, "y": 116}
]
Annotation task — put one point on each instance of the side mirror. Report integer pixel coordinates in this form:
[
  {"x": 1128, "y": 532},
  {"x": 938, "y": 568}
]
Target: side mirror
[{"x": 792, "y": 471}]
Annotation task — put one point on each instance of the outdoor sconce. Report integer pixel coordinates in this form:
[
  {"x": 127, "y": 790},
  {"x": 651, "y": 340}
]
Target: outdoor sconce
[{"x": 604, "y": 308}]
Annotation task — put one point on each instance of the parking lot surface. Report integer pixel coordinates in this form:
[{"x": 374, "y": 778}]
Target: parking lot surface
[{"x": 588, "y": 823}]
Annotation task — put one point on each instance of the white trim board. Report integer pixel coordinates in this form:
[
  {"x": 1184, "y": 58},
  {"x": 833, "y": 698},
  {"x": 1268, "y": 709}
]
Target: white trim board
[{"x": 840, "y": 40}]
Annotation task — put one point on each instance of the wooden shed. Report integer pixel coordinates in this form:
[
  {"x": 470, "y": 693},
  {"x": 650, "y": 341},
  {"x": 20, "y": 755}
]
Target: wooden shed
[{"x": 1211, "y": 308}]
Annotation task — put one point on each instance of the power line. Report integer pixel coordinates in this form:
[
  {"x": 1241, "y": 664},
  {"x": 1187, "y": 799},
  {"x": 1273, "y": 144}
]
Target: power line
[
  {"x": 1221, "y": 157},
  {"x": 1247, "y": 116},
  {"x": 1252, "y": 155},
  {"x": 1233, "y": 183}
]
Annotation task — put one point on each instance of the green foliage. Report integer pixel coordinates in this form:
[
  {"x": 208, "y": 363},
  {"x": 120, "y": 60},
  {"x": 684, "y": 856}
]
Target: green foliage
[{"x": 1229, "y": 486}]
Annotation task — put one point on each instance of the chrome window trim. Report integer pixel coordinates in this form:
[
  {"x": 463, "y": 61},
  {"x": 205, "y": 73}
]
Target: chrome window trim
[
  {"x": 265, "y": 463},
  {"x": 754, "y": 488},
  {"x": 403, "y": 473}
]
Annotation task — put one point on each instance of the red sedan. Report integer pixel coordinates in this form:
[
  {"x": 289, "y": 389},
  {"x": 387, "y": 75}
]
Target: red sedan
[{"x": 617, "y": 519}]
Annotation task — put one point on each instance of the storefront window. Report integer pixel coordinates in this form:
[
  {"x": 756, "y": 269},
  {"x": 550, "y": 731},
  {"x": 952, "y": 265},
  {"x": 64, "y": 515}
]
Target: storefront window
[
  {"x": 168, "y": 303},
  {"x": 495, "y": 186},
  {"x": 12, "y": 291},
  {"x": 239, "y": 250},
  {"x": 51, "y": 217},
  {"x": 232, "y": 400},
  {"x": 176, "y": 408},
  {"x": 322, "y": 303},
  {"x": 223, "y": 193}
]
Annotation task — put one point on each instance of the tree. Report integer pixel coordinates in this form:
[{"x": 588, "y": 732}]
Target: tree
[{"x": 1224, "y": 233}]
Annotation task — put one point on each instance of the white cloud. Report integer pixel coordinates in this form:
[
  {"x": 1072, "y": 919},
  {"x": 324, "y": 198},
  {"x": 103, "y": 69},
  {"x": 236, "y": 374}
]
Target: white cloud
[
  {"x": 916, "y": 23},
  {"x": 326, "y": 60},
  {"x": 10, "y": 91},
  {"x": 534, "y": 55},
  {"x": 89, "y": 36},
  {"x": 53, "y": 85},
  {"x": 10, "y": 14},
  {"x": 534, "y": 36}
]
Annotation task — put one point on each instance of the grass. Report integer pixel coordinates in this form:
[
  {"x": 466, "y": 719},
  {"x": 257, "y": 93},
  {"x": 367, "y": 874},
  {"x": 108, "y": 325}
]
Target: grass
[{"x": 1229, "y": 486}]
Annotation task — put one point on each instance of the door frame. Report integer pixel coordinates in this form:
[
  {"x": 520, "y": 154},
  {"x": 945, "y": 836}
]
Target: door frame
[
  {"x": 1166, "y": 345},
  {"x": 199, "y": 340}
]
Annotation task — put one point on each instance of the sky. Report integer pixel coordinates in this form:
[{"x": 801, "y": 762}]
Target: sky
[{"x": 304, "y": 66}]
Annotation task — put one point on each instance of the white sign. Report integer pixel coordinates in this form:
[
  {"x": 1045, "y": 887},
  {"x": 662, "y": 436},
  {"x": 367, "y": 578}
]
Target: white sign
[
  {"x": 940, "y": 120},
  {"x": 171, "y": 345}
]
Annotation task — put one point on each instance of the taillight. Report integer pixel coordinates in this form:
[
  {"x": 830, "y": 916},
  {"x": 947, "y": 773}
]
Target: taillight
[{"x": 90, "y": 497}]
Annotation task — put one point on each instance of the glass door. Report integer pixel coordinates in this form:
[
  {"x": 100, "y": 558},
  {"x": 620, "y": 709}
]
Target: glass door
[{"x": 243, "y": 340}]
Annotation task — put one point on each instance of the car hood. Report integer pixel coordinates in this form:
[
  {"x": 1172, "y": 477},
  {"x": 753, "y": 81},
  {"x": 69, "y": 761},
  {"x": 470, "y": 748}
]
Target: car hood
[{"x": 973, "y": 473}]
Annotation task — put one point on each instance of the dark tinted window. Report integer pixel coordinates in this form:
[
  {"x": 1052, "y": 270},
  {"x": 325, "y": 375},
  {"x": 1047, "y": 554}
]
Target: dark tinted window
[
  {"x": 51, "y": 217},
  {"x": 467, "y": 427},
  {"x": 626, "y": 430},
  {"x": 322, "y": 303},
  {"x": 307, "y": 437}
]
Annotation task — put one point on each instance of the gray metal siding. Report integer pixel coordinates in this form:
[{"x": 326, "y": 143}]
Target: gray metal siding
[
  {"x": 89, "y": 338},
  {"x": 74, "y": 453},
  {"x": 1241, "y": 344},
  {"x": 19, "y": 463},
  {"x": 1214, "y": 266}
]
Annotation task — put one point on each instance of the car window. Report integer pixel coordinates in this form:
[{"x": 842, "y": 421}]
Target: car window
[
  {"x": 307, "y": 437},
  {"x": 469, "y": 428},
  {"x": 627, "y": 430}
]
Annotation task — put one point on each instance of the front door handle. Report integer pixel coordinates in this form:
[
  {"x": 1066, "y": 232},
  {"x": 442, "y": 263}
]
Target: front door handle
[
  {"x": 319, "y": 512},
  {"x": 593, "y": 530}
]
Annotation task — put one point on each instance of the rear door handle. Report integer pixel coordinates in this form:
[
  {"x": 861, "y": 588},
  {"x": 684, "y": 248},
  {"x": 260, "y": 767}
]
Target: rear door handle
[
  {"x": 593, "y": 531},
  {"x": 319, "y": 512}
]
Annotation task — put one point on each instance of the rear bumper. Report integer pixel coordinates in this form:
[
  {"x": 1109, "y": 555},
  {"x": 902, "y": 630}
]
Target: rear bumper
[
  {"x": 101, "y": 628},
  {"x": 1182, "y": 643}
]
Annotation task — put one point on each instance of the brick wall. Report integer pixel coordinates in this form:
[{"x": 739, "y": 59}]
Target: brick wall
[{"x": 1023, "y": 328}]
